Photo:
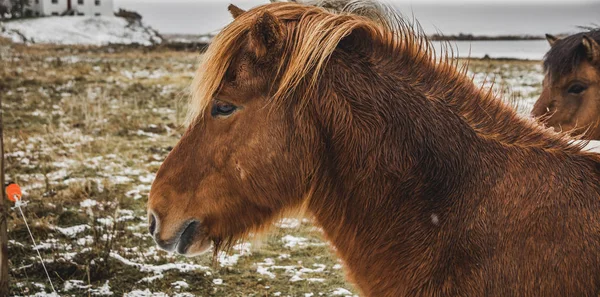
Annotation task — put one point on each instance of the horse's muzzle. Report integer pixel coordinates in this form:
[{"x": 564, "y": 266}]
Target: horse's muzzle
[{"x": 181, "y": 241}]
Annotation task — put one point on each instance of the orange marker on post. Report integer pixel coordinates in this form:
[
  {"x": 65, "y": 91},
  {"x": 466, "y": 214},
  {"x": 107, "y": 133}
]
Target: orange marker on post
[{"x": 13, "y": 191}]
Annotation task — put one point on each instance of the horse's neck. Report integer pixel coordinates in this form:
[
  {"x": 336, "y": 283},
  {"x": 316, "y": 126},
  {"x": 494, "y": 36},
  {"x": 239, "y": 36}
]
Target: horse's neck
[
  {"x": 401, "y": 164},
  {"x": 480, "y": 107},
  {"x": 393, "y": 223}
]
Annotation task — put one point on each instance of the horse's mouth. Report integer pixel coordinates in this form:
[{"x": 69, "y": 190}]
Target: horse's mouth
[
  {"x": 187, "y": 237},
  {"x": 194, "y": 241},
  {"x": 190, "y": 241}
]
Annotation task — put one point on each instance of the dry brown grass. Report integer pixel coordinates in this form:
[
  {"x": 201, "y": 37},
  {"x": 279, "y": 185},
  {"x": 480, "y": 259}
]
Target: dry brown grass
[{"x": 91, "y": 125}]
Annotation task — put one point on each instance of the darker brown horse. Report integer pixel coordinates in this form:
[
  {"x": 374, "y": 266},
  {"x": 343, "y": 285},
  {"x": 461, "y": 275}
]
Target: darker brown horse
[
  {"x": 425, "y": 184},
  {"x": 570, "y": 100}
]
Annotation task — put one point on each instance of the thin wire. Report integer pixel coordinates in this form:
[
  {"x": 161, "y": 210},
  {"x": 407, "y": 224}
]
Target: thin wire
[{"x": 18, "y": 204}]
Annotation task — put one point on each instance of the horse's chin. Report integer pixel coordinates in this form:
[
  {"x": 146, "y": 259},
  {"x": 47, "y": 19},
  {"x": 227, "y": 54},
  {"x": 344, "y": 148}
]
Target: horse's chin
[{"x": 198, "y": 247}]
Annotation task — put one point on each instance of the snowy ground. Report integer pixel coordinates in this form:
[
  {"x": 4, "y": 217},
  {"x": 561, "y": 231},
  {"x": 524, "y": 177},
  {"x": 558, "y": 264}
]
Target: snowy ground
[
  {"x": 85, "y": 131},
  {"x": 82, "y": 30}
]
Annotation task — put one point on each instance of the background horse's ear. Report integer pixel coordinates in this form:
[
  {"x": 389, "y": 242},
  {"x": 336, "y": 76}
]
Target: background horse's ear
[
  {"x": 235, "y": 11},
  {"x": 592, "y": 48},
  {"x": 551, "y": 39},
  {"x": 266, "y": 35}
]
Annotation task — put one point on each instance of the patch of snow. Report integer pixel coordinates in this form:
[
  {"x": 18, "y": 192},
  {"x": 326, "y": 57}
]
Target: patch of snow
[
  {"x": 158, "y": 270},
  {"x": 13, "y": 242},
  {"x": 98, "y": 30},
  {"x": 150, "y": 279},
  {"x": 85, "y": 240},
  {"x": 341, "y": 292},
  {"x": 103, "y": 291},
  {"x": 138, "y": 192},
  {"x": 88, "y": 203},
  {"x": 180, "y": 284},
  {"x": 292, "y": 241},
  {"x": 119, "y": 179},
  {"x": 145, "y": 293},
  {"x": 75, "y": 284},
  {"x": 243, "y": 248},
  {"x": 44, "y": 294},
  {"x": 296, "y": 272},
  {"x": 228, "y": 260},
  {"x": 264, "y": 271},
  {"x": 72, "y": 231},
  {"x": 147, "y": 134},
  {"x": 288, "y": 223},
  {"x": 105, "y": 221},
  {"x": 283, "y": 256},
  {"x": 125, "y": 215},
  {"x": 51, "y": 244},
  {"x": 58, "y": 175},
  {"x": 147, "y": 179}
]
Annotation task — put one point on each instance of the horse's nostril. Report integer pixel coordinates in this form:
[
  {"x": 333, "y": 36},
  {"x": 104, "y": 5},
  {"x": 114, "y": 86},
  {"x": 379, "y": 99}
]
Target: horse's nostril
[{"x": 152, "y": 226}]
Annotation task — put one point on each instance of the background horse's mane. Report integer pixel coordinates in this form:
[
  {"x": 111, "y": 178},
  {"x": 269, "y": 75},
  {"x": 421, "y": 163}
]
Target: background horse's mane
[
  {"x": 317, "y": 33},
  {"x": 567, "y": 53}
]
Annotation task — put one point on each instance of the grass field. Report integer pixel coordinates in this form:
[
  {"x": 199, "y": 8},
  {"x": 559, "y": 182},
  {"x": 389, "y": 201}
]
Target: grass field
[{"x": 85, "y": 131}]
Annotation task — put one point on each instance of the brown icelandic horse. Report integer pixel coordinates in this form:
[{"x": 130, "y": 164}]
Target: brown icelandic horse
[
  {"x": 570, "y": 100},
  {"x": 425, "y": 184}
]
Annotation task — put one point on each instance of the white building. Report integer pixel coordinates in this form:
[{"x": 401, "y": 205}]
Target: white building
[{"x": 77, "y": 7}]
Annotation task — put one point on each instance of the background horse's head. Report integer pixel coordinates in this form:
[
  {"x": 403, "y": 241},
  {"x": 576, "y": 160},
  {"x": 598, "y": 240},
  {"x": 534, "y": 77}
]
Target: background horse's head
[
  {"x": 570, "y": 100},
  {"x": 248, "y": 154}
]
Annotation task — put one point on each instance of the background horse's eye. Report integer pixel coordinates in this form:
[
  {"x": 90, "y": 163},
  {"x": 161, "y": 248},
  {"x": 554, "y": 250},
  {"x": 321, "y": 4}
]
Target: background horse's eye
[
  {"x": 220, "y": 108},
  {"x": 576, "y": 89}
]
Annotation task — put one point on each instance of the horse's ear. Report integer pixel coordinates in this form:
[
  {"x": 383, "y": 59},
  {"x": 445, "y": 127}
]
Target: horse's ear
[
  {"x": 551, "y": 39},
  {"x": 592, "y": 48},
  {"x": 266, "y": 35},
  {"x": 235, "y": 11}
]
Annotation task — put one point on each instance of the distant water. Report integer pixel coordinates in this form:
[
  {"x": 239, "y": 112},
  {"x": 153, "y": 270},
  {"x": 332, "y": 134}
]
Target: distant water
[
  {"x": 512, "y": 49},
  {"x": 448, "y": 17},
  {"x": 484, "y": 17}
]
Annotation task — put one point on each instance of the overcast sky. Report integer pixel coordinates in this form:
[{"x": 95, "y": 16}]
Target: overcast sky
[
  {"x": 484, "y": 17},
  {"x": 393, "y": 1}
]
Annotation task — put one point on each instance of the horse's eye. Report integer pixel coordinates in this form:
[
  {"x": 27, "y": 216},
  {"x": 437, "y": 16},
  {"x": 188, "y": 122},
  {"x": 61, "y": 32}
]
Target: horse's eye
[
  {"x": 576, "y": 89},
  {"x": 221, "y": 108}
]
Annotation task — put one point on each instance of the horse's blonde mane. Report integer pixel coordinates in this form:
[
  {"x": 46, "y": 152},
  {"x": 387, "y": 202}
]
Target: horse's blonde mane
[
  {"x": 308, "y": 46},
  {"x": 313, "y": 33}
]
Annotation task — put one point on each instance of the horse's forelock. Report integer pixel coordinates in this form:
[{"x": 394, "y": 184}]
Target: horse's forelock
[
  {"x": 567, "y": 53},
  {"x": 214, "y": 65},
  {"x": 314, "y": 38}
]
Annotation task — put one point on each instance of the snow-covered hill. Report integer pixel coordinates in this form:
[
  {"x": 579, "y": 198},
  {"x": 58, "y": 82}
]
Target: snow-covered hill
[{"x": 85, "y": 30}]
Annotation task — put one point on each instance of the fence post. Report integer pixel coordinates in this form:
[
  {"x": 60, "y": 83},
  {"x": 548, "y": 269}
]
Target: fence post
[{"x": 4, "y": 277}]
